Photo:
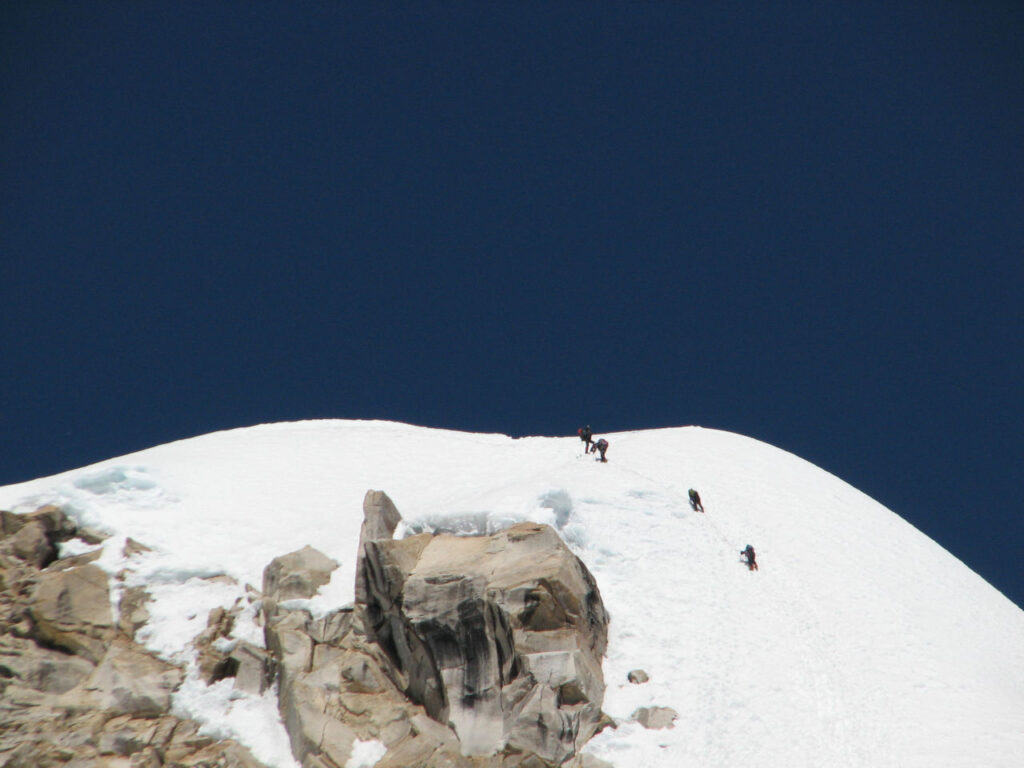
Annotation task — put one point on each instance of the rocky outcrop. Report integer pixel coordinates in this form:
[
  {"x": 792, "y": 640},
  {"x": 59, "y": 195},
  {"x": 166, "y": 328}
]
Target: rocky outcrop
[
  {"x": 332, "y": 686},
  {"x": 466, "y": 652},
  {"x": 655, "y": 718},
  {"x": 220, "y": 656},
  {"x": 33, "y": 538},
  {"x": 296, "y": 576},
  {"x": 462, "y": 651},
  {"x": 494, "y": 634},
  {"x": 380, "y": 519},
  {"x": 75, "y": 690},
  {"x": 637, "y": 676},
  {"x": 70, "y": 609}
]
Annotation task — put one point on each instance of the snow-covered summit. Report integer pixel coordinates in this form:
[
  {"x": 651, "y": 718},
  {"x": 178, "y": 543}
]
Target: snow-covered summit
[{"x": 860, "y": 642}]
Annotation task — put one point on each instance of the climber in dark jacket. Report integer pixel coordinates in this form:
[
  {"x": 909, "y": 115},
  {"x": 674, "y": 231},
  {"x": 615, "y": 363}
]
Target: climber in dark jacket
[
  {"x": 749, "y": 554},
  {"x": 601, "y": 446},
  {"x": 585, "y": 435},
  {"x": 695, "y": 501}
]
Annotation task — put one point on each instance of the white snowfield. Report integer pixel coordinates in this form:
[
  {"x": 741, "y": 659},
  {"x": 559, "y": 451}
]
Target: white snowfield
[{"x": 859, "y": 642}]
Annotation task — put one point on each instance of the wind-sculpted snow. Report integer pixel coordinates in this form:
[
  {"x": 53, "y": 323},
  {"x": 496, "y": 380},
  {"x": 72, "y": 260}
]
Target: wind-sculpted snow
[
  {"x": 859, "y": 642},
  {"x": 115, "y": 479},
  {"x": 556, "y": 505}
]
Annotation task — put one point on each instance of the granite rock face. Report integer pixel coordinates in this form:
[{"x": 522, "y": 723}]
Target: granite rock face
[
  {"x": 463, "y": 651},
  {"x": 297, "y": 575},
  {"x": 460, "y": 651},
  {"x": 75, "y": 690},
  {"x": 71, "y": 611},
  {"x": 332, "y": 684},
  {"x": 502, "y": 636}
]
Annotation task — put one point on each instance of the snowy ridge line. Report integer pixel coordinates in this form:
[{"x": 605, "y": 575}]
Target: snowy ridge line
[{"x": 863, "y": 643}]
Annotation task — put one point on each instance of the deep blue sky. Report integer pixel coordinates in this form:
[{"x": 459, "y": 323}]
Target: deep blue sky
[{"x": 801, "y": 221}]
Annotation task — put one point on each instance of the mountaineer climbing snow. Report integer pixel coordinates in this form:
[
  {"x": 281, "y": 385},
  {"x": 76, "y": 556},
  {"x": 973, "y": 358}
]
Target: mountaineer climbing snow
[
  {"x": 749, "y": 554},
  {"x": 585, "y": 434},
  {"x": 695, "y": 504}
]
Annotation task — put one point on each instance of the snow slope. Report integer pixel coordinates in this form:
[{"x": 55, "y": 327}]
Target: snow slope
[{"x": 860, "y": 642}]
